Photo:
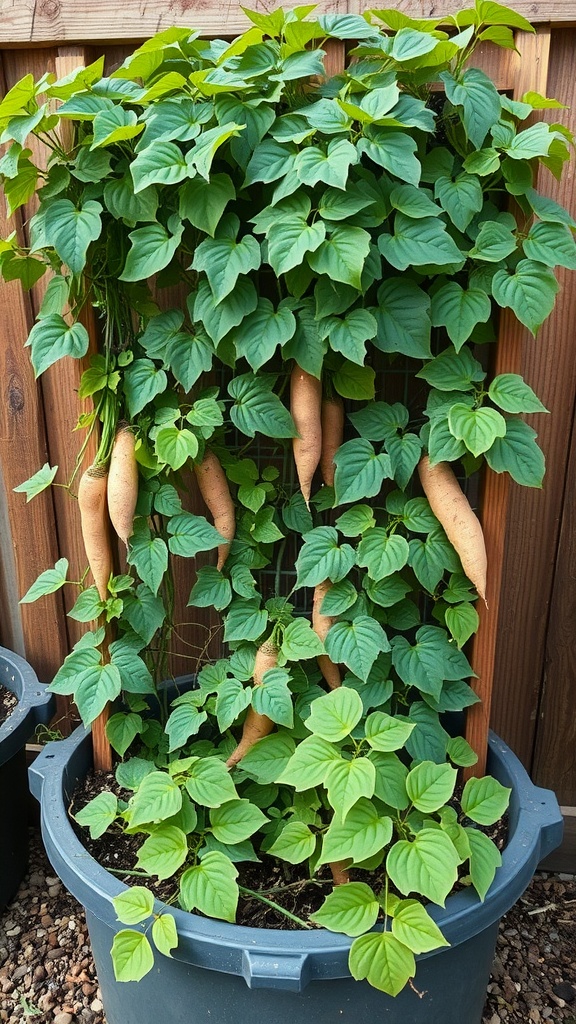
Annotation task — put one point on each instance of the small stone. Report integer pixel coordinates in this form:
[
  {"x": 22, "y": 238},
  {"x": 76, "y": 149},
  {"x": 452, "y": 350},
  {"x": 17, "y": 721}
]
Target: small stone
[
  {"x": 87, "y": 989},
  {"x": 52, "y": 880},
  {"x": 53, "y": 890},
  {"x": 564, "y": 990},
  {"x": 534, "y": 1015},
  {"x": 39, "y": 973},
  {"x": 55, "y": 954},
  {"x": 36, "y": 879},
  {"x": 19, "y": 972},
  {"x": 46, "y": 920},
  {"x": 96, "y": 1005},
  {"x": 11, "y": 932},
  {"x": 63, "y": 1018}
]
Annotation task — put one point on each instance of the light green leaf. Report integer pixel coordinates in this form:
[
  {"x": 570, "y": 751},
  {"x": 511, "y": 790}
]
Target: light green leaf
[
  {"x": 260, "y": 333},
  {"x": 203, "y": 202},
  {"x": 485, "y": 858},
  {"x": 97, "y": 815},
  {"x": 236, "y": 820},
  {"x": 386, "y": 733},
  {"x": 121, "y": 729},
  {"x": 357, "y": 644},
  {"x": 428, "y": 865},
  {"x": 551, "y": 244},
  {"x": 191, "y": 534},
  {"x": 70, "y": 230},
  {"x": 403, "y": 317},
  {"x": 162, "y": 163},
  {"x": 164, "y": 933},
  {"x": 173, "y": 446},
  {"x": 461, "y": 197},
  {"x": 274, "y": 698},
  {"x": 257, "y": 408},
  {"x": 309, "y": 764},
  {"x": 530, "y": 292},
  {"x": 347, "y": 782},
  {"x": 511, "y": 393},
  {"x": 351, "y": 909},
  {"x": 356, "y": 521},
  {"x": 334, "y": 716},
  {"x": 462, "y": 621},
  {"x": 383, "y": 960},
  {"x": 163, "y": 852},
  {"x": 245, "y": 620},
  {"x": 114, "y": 125},
  {"x": 132, "y": 955},
  {"x": 413, "y": 926},
  {"x": 157, "y": 798},
  {"x": 295, "y": 843},
  {"x": 300, "y": 642},
  {"x": 479, "y": 99},
  {"x": 265, "y": 761},
  {"x": 312, "y": 164},
  {"x": 484, "y": 800},
  {"x": 52, "y": 338},
  {"x": 452, "y": 371},
  {"x": 211, "y": 887},
  {"x": 48, "y": 582},
  {"x": 211, "y": 589},
  {"x": 209, "y": 783},
  {"x": 393, "y": 151},
  {"x": 183, "y": 722},
  {"x": 224, "y": 259},
  {"x": 134, "y": 905},
  {"x": 363, "y": 834},
  {"x": 430, "y": 785},
  {"x": 477, "y": 428},
  {"x": 494, "y": 242}
]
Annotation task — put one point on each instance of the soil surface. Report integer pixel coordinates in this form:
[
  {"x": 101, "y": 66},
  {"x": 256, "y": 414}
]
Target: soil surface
[
  {"x": 47, "y": 974},
  {"x": 287, "y": 885},
  {"x": 8, "y": 702}
]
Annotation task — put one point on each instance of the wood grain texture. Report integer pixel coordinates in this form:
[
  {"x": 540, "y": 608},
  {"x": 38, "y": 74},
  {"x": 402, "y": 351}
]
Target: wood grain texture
[
  {"x": 86, "y": 21},
  {"x": 532, "y": 73},
  {"x": 549, "y": 366},
  {"x": 555, "y": 752},
  {"x": 23, "y": 450}
]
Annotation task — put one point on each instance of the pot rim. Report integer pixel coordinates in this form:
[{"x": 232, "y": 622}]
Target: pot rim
[
  {"x": 535, "y": 829},
  {"x": 35, "y": 704}
]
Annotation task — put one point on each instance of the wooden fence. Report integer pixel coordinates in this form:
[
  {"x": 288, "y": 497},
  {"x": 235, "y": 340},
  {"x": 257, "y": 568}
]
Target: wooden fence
[{"x": 527, "y": 639}]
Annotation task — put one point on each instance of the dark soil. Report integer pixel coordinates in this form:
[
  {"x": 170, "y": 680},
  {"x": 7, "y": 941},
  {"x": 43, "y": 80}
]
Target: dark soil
[
  {"x": 287, "y": 885},
  {"x": 8, "y": 702}
]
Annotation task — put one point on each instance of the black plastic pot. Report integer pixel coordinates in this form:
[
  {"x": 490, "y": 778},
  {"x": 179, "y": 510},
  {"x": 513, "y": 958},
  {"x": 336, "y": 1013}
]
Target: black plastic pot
[
  {"x": 228, "y": 974},
  {"x": 34, "y": 706}
]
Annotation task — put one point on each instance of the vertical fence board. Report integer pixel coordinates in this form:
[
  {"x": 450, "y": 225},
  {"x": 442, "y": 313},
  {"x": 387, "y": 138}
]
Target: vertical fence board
[
  {"x": 23, "y": 450},
  {"x": 532, "y": 73},
  {"x": 534, "y": 516}
]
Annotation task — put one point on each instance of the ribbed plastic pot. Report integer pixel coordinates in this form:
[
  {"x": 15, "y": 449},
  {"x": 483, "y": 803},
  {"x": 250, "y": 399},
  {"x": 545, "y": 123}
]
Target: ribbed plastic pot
[
  {"x": 34, "y": 706},
  {"x": 228, "y": 974}
]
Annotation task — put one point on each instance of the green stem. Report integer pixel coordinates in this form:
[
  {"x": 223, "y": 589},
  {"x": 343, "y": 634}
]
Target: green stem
[{"x": 275, "y": 906}]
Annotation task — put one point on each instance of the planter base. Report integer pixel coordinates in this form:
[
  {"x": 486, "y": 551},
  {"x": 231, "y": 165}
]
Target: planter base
[
  {"x": 229, "y": 974},
  {"x": 35, "y": 705}
]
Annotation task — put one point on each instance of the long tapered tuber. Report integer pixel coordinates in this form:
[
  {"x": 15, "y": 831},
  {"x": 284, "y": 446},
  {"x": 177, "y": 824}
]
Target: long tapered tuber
[
  {"x": 461, "y": 525},
  {"x": 256, "y": 726},
  {"x": 321, "y": 624},
  {"x": 92, "y": 502},
  {"x": 332, "y": 436},
  {"x": 305, "y": 406},
  {"x": 123, "y": 483},
  {"x": 214, "y": 489}
]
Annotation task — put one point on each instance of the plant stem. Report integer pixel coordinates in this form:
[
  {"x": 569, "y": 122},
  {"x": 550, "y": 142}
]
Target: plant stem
[{"x": 275, "y": 906}]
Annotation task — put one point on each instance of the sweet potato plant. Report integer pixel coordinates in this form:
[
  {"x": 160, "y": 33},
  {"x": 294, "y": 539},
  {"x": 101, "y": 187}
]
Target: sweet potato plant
[{"x": 325, "y": 232}]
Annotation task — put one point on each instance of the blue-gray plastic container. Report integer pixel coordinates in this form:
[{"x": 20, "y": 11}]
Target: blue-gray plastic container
[
  {"x": 227, "y": 974},
  {"x": 34, "y": 706}
]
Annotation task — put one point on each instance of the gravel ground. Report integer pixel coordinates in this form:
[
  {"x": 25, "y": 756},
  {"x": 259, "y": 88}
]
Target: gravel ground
[{"x": 47, "y": 974}]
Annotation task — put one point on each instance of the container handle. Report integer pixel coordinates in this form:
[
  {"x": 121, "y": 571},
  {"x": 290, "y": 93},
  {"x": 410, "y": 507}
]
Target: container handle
[
  {"x": 551, "y": 820},
  {"x": 286, "y": 972}
]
